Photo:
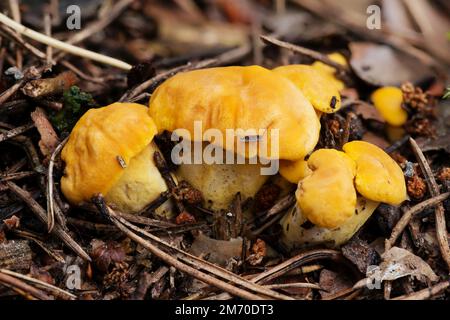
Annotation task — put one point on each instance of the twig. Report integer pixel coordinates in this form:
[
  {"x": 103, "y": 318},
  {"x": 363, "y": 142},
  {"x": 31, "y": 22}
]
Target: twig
[
  {"x": 441, "y": 229},
  {"x": 146, "y": 221},
  {"x": 55, "y": 291},
  {"x": 129, "y": 95},
  {"x": 30, "y": 73},
  {"x": 11, "y": 90},
  {"x": 281, "y": 205},
  {"x": 21, "y": 29},
  {"x": 15, "y": 12},
  {"x": 161, "y": 164},
  {"x": 289, "y": 265},
  {"x": 155, "y": 204},
  {"x": 91, "y": 226},
  {"x": 48, "y": 86},
  {"x": 35, "y": 238},
  {"x": 425, "y": 293},
  {"x": 307, "y": 52},
  {"x": 346, "y": 134},
  {"x": 143, "y": 96},
  {"x": 409, "y": 214},
  {"x": 224, "y": 58},
  {"x": 15, "y": 132},
  {"x": 397, "y": 144},
  {"x": 48, "y": 32},
  {"x": 50, "y": 200},
  {"x": 266, "y": 225},
  {"x": 295, "y": 262},
  {"x": 16, "y": 175},
  {"x": 42, "y": 215},
  {"x": 293, "y": 285},
  {"x": 27, "y": 145},
  {"x": 10, "y": 33},
  {"x": 188, "y": 260},
  {"x": 19, "y": 284}
]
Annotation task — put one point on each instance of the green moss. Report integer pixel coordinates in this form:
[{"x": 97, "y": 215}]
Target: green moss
[{"x": 75, "y": 104}]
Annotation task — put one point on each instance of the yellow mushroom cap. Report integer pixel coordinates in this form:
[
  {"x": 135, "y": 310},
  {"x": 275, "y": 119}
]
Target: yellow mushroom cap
[
  {"x": 329, "y": 71},
  {"x": 294, "y": 171},
  {"x": 378, "y": 176},
  {"x": 317, "y": 88},
  {"x": 327, "y": 197},
  {"x": 99, "y": 139},
  {"x": 388, "y": 101},
  {"x": 238, "y": 98}
]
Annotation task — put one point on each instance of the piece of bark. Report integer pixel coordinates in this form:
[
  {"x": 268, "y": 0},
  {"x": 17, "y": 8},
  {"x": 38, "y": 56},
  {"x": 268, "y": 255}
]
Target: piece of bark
[
  {"x": 332, "y": 282},
  {"x": 49, "y": 139},
  {"x": 49, "y": 86},
  {"x": 361, "y": 254},
  {"x": 15, "y": 255}
]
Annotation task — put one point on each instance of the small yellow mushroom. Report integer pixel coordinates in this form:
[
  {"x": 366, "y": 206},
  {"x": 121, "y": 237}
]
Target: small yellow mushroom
[
  {"x": 316, "y": 86},
  {"x": 110, "y": 151},
  {"x": 388, "y": 101},
  {"x": 327, "y": 196},
  {"x": 329, "y": 71},
  {"x": 378, "y": 176}
]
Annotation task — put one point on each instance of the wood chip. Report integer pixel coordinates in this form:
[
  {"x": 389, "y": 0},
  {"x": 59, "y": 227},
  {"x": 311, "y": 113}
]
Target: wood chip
[{"x": 49, "y": 139}]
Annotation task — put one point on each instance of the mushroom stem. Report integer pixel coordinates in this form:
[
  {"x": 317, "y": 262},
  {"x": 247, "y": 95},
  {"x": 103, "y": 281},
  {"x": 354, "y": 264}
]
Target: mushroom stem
[
  {"x": 296, "y": 234},
  {"x": 219, "y": 183},
  {"x": 140, "y": 183}
]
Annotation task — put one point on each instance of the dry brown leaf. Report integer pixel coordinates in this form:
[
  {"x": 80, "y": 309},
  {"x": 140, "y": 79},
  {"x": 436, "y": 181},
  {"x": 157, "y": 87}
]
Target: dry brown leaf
[
  {"x": 380, "y": 65},
  {"x": 375, "y": 139},
  {"x": 398, "y": 263},
  {"x": 259, "y": 251},
  {"x": 368, "y": 112}
]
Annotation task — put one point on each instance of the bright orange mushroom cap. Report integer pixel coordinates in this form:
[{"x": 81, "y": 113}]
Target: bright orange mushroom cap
[
  {"x": 96, "y": 144},
  {"x": 378, "y": 176},
  {"x": 238, "y": 97},
  {"x": 327, "y": 197}
]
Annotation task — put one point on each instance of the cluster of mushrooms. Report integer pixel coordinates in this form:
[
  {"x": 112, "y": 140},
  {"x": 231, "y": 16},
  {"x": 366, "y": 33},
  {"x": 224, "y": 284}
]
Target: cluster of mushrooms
[{"x": 110, "y": 150}]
